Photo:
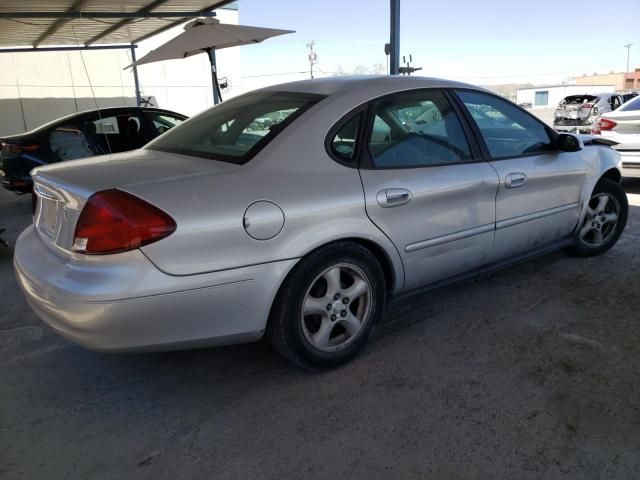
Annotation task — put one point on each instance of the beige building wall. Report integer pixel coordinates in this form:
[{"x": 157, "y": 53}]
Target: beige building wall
[
  {"x": 622, "y": 81},
  {"x": 37, "y": 87}
]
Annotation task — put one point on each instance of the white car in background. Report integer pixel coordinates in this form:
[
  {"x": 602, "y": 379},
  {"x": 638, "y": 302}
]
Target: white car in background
[{"x": 623, "y": 127}]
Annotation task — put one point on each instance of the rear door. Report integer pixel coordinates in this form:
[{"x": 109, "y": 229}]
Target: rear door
[
  {"x": 537, "y": 202},
  {"x": 424, "y": 186}
]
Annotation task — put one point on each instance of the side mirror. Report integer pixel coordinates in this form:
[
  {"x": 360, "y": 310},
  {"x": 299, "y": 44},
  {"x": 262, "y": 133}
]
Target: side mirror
[{"x": 569, "y": 143}]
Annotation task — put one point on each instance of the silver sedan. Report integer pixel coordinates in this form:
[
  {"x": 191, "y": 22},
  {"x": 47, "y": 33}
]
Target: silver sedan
[{"x": 299, "y": 210}]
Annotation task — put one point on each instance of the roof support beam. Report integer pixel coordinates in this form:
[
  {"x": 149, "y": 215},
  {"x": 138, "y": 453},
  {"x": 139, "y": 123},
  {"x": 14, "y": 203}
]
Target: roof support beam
[
  {"x": 55, "y": 26},
  {"x": 124, "y": 22},
  {"x": 202, "y": 13},
  {"x": 71, "y": 15},
  {"x": 66, "y": 49}
]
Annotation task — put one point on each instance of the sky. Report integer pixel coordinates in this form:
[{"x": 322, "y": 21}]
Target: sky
[{"x": 486, "y": 42}]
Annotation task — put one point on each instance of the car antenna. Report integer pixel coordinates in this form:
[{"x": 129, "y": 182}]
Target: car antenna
[{"x": 93, "y": 94}]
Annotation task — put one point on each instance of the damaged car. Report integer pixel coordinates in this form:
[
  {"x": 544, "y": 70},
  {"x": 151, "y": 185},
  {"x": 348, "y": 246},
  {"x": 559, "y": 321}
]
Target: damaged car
[{"x": 578, "y": 113}]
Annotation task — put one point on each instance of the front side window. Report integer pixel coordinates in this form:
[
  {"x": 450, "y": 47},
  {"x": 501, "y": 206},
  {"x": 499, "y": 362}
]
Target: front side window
[
  {"x": 417, "y": 129},
  {"x": 237, "y": 129},
  {"x": 507, "y": 130},
  {"x": 120, "y": 133}
]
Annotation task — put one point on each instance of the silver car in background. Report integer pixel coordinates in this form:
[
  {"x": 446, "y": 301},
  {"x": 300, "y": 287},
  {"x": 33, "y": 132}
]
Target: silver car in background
[
  {"x": 623, "y": 128},
  {"x": 359, "y": 189}
]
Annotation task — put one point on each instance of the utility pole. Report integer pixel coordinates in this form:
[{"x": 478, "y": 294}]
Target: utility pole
[
  {"x": 628, "y": 47},
  {"x": 313, "y": 56}
]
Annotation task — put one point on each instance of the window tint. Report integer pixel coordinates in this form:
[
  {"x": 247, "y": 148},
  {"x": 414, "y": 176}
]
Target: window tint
[
  {"x": 417, "y": 130},
  {"x": 161, "y": 122},
  {"x": 507, "y": 130},
  {"x": 343, "y": 144},
  {"x": 119, "y": 133},
  {"x": 236, "y": 129}
]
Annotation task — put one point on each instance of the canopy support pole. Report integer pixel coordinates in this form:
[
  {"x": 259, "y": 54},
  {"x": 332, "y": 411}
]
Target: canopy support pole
[
  {"x": 135, "y": 75},
  {"x": 217, "y": 96},
  {"x": 394, "y": 41}
]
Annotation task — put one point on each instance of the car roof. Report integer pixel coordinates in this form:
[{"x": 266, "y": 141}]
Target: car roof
[{"x": 333, "y": 85}]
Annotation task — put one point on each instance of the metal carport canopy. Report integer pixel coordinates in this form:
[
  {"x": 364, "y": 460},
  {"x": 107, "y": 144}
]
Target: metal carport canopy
[
  {"x": 38, "y": 23},
  {"x": 45, "y": 25}
]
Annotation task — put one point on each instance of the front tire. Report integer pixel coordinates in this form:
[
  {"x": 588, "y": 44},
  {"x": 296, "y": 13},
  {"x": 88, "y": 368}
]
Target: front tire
[
  {"x": 604, "y": 221},
  {"x": 328, "y": 307}
]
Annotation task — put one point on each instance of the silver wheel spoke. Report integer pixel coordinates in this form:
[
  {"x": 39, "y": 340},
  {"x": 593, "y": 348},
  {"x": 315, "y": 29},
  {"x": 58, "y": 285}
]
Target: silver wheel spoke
[
  {"x": 356, "y": 290},
  {"x": 597, "y": 236},
  {"x": 602, "y": 203},
  {"x": 333, "y": 281},
  {"x": 351, "y": 324},
  {"x": 321, "y": 337},
  {"x": 586, "y": 228},
  {"x": 610, "y": 217},
  {"x": 315, "y": 306},
  {"x": 590, "y": 211}
]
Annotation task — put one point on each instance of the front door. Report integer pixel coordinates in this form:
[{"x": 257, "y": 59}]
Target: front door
[
  {"x": 425, "y": 190},
  {"x": 538, "y": 199}
]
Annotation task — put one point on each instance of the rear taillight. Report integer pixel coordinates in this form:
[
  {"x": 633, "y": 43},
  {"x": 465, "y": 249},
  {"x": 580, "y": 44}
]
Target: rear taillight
[
  {"x": 15, "y": 149},
  {"x": 587, "y": 106},
  {"x": 113, "y": 221},
  {"x": 606, "y": 124}
]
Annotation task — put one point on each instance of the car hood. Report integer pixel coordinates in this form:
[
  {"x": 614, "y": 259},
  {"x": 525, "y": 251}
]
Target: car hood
[{"x": 126, "y": 170}]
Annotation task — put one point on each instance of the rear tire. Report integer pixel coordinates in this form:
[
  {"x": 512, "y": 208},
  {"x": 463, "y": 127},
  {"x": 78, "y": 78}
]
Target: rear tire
[
  {"x": 328, "y": 307},
  {"x": 604, "y": 221}
]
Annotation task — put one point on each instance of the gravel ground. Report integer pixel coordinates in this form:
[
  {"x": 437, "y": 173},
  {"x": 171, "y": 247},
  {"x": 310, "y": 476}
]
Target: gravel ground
[{"x": 532, "y": 372}]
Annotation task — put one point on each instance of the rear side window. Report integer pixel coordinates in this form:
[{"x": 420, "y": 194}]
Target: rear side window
[
  {"x": 631, "y": 105},
  {"x": 416, "y": 129},
  {"x": 237, "y": 129},
  {"x": 507, "y": 130},
  {"x": 343, "y": 143}
]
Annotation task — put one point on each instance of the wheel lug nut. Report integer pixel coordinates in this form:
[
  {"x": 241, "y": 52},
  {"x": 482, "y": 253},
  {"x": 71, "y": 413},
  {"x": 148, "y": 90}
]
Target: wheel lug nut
[
  {"x": 345, "y": 300},
  {"x": 343, "y": 313},
  {"x": 333, "y": 317},
  {"x": 336, "y": 296},
  {"x": 329, "y": 307}
]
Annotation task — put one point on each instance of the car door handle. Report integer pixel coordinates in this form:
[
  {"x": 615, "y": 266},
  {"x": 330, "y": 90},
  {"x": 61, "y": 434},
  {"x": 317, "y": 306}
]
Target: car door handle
[
  {"x": 515, "y": 180},
  {"x": 393, "y": 197}
]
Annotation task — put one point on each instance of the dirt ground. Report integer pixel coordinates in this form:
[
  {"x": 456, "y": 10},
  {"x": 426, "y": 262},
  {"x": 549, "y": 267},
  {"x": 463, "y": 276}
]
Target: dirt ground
[{"x": 532, "y": 372}]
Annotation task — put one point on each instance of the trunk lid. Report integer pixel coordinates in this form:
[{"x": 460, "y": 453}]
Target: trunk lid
[
  {"x": 577, "y": 107},
  {"x": 63, "y": 189}
]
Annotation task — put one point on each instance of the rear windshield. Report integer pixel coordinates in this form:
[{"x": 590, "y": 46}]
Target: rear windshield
[
  {"x": 237, "y": 129},
  {"x": 631, "y": 105},
  {"x": 579, "y": 99}
]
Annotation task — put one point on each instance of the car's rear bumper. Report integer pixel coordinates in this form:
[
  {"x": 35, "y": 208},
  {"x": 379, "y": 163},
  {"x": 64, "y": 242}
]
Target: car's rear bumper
[
  {"x": 123, "y": 302},
  {"x": 584, "y": 128}
]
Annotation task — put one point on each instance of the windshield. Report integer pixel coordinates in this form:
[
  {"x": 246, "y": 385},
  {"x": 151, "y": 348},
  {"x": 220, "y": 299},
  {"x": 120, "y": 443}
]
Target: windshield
[
  {"x": 237, "y": 129},
  {"x": 631, "y": 105}
]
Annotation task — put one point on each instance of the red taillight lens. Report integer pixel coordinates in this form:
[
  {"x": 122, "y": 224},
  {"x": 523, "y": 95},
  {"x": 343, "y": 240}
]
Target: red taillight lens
[
  {"x": 14, "y": 149},
  {"x": 113, "y": 221},
  {"x": 587, "y": 106},
  {"x": 606, "y": 124}
]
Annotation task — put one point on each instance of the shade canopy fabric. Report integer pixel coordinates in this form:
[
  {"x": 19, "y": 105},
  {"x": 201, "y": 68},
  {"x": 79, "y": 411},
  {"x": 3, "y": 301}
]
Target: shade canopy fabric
[{"x": 204, "y": 34}]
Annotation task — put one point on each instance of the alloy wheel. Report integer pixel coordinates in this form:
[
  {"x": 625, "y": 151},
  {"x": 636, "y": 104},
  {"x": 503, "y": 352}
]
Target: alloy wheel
[
  {"x": 601, "y": 220},
  {"x": 336, "y": 307}
]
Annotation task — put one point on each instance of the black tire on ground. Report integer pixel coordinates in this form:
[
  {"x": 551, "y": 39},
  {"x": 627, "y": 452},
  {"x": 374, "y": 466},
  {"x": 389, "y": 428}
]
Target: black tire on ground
[
  {"x": 285, "y": 327},
  {"x": 583, "y": 249}
]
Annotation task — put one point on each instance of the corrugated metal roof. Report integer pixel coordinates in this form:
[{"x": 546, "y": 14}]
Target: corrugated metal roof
[{"x": 23, "y": 30}]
